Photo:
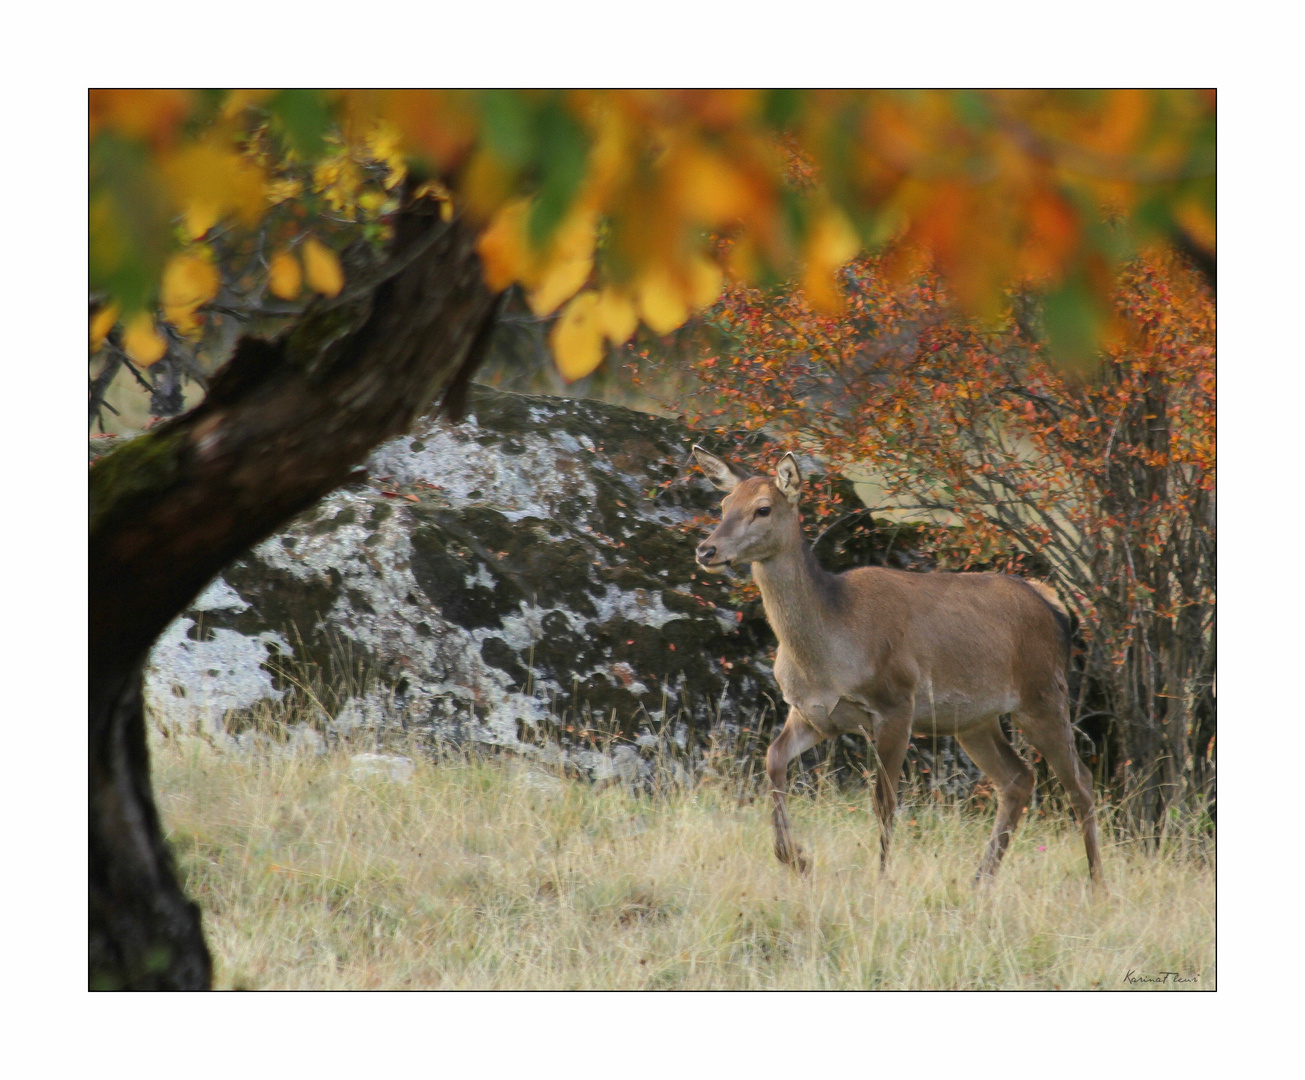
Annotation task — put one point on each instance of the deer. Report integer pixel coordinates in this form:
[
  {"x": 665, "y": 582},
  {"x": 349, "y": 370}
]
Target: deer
[{"x": 891, "y": 653}]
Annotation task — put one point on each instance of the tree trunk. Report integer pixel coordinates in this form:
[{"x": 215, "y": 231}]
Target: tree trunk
[
  {"x": 284, "y": 423},
  {"x": 144, "y": 933}
]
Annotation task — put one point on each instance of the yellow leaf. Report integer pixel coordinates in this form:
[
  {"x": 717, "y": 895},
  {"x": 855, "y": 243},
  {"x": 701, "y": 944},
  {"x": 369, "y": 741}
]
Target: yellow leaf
[
  {"x": 322, "y": 268},
  {"x": 577, "y": 338},
  {"x": 188, "y": 282},
  {"x": 486, "y": 186},
  {"x": 743, "y": 260},
  {"x": 433, "y": 189},
  {"x": 616, "y": 315},
  {"x": 384, "y": 144},
  {"x": 710, "y": 189},
  {"x": 705, "y": 280},
  {"x": 239, "y": 100},
  {"x": 101, "y": 323},
  {"x": 200, "y": 217},
  {"x": 1197, "y": 222},
  {"x": 283, "y": 190},
  {"x": 142, "y": 340},
  {"x": 661, "y": 301},
  {"x": 284, "y": 277},
  {"x": 831, "y": 243},
  {"x": 339, "y": 179},
  {"x": 371, "y": 200},
  {"x": 821, "y": 289},
  {"x": 214, "y": 179},
  {"x": 569, "y": 263},
  {"x": 561, "y": 280}
]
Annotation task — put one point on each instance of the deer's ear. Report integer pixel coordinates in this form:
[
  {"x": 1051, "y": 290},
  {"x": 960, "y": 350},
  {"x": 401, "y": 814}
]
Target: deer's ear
[
  {"x": 788, "y": 478},
  {"x": 721, "y": 473}
]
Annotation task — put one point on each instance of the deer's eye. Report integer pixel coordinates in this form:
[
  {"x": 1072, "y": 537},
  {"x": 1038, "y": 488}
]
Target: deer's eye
[{"x": 762, "y": 511}]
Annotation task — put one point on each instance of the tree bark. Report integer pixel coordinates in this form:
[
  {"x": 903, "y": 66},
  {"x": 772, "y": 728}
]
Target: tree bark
[{"x": 284, "y": 423}]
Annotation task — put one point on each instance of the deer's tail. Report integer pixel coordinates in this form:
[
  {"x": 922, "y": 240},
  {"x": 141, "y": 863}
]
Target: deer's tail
[{"x": 1064, "y": 620}]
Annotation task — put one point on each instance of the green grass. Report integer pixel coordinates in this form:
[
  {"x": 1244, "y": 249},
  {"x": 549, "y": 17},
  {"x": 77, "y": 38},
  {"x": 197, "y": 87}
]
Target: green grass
[{"x": 495, "y": 874}]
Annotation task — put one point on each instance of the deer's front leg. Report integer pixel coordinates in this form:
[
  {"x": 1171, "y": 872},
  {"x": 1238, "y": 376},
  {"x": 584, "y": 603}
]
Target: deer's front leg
[
  {"x": 797, "y": 736},
  {"x": 892, "y": 736}
]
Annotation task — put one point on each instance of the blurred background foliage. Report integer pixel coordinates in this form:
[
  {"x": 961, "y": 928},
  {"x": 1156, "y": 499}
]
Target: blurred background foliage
[{"x": 616, "y": 218}]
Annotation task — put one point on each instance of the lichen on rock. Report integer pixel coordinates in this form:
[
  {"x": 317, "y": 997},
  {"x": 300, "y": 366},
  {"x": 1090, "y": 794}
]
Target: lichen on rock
[{"x": 485, "y": 579}]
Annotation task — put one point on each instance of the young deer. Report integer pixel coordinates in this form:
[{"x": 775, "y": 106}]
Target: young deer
[{"x": 888, "y": 653}]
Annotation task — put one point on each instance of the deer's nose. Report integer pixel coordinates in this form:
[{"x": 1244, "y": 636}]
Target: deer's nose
[{"x": 706, "y": 552}]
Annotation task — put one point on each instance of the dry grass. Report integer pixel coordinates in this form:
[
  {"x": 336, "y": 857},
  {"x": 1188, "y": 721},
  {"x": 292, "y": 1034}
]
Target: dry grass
[{"x": 478, "y": 874}]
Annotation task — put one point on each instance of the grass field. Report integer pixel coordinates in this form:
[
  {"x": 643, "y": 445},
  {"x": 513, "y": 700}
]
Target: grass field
[{"x": 492, "y": 873}]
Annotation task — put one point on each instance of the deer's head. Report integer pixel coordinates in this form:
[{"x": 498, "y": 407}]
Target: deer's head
[{"x": 758, "y": 516}]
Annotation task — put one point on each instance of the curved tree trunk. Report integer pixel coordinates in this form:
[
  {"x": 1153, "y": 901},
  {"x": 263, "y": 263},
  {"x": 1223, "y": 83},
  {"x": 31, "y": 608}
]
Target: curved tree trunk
[{"x": 284, "y": 423}]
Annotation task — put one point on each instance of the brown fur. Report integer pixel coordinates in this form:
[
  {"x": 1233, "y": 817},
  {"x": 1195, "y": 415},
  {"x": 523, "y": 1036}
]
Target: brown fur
[
  {"x": 890, "y": 653},
  {"x": 1048, "y": 595}
]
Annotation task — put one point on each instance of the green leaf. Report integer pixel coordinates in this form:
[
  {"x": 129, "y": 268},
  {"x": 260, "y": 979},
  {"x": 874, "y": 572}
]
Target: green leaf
[
  {"x": 563, "y": 154},
  {"x": 793, "y": 211},
  {"x": 972, "y": 110},
  {"x": 1074, "y": 322},
  {"x": 129, "y": 228},
  {"x": 1114, "y": 240},
  {"x": 304, "y": 117},
  {"x": 509, "y": 127},
  {"x": 780, "y": 107},
  {"x": 1203, "y": 156},
  {"x": 1152, "y": 217}
]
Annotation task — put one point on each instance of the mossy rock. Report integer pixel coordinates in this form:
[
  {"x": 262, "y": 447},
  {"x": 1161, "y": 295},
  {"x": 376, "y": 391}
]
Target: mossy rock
[{"x": 494, "y": 579}]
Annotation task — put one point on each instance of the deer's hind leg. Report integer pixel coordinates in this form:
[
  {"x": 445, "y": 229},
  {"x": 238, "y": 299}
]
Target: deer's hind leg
[
  {"x": 1048, "y": 729},
  {"x": 992, "y": 752},
  {"x": 797, "y": 736}
]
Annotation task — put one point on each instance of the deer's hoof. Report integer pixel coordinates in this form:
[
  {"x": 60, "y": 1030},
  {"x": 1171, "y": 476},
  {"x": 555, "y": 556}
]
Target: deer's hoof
[{"x": 791, "y": 855}]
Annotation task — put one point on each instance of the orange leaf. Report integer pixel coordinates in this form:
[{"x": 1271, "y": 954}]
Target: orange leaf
[
  {"x": 502, "y": 246},
  {"x": 284, "y": 278},
  {"x": 710, "y": 189}
]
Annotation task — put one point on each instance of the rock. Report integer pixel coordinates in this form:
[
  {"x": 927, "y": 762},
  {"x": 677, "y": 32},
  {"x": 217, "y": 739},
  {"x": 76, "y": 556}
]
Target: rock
[
  {"x": 539, "y": 781},
  {"x": 391, "y": 766},
  {"x": 507, "y": 580}
]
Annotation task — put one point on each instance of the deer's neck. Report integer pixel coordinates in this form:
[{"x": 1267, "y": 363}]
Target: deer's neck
[{"x": 800, "y": 598}]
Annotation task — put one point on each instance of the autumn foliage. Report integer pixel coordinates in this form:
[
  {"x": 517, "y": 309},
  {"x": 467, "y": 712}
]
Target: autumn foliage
[
  {"x": 604, "y": 206},
  {"x": 1027, "y": 356},
  {"x": 1016, "y": 353},
  {"x": 1011, "y": 462}
]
